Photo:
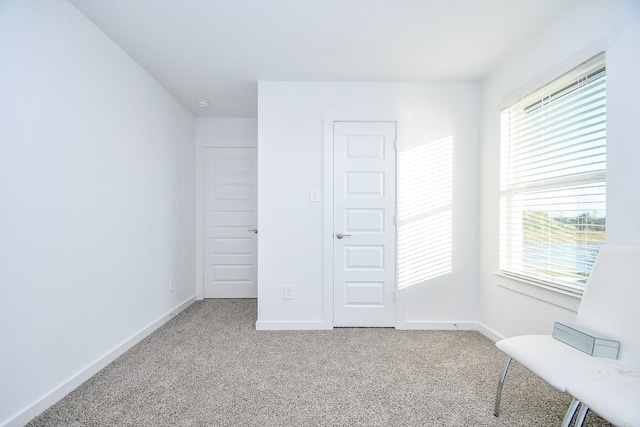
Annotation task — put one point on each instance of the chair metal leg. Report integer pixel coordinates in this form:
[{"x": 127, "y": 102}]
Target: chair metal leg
[
  {"x": 571, "y": 411},
  {"x": 507, "y": 362},
  {"x": 581, "y": 415}
]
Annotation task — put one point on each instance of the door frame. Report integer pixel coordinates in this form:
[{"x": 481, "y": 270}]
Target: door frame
[
  {"x": 200, "y": 159},
  {"x": 328, "y": 260}
]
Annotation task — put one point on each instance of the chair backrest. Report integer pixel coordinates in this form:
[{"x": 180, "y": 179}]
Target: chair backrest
[{"x": 611, "y": 301}]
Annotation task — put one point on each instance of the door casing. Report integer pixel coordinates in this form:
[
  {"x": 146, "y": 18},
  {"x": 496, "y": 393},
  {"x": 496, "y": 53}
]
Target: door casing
[
  {"x": 200, "y": 159},
  {"x": 328, "y": 227},
  {"x": 230, "y": 247}
]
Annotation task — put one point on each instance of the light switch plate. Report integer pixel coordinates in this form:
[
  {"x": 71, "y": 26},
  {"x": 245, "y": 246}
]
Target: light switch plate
[{"x": 314, "y": 194}]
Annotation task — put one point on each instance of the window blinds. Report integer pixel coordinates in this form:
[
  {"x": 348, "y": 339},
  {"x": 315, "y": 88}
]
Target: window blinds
[{"x": 553, "y": 190}]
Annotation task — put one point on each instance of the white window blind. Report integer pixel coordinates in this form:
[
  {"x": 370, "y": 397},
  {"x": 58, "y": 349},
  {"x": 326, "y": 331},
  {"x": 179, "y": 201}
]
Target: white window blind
[{"x": 552, "y": 179}]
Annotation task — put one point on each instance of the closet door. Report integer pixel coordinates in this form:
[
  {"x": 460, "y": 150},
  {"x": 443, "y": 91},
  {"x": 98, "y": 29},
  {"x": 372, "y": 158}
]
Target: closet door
[{"x": 230, "y": 233}]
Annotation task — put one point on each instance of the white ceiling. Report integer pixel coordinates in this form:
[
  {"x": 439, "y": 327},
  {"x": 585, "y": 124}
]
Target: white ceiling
[{"x": 219, "y": 49}]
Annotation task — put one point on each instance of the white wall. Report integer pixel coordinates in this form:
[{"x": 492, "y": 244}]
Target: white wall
[
  {"x": 97, "y": 203},
  {"x": 592, "y": 23},
  {"x": 212, "y": 131},
  {"x": 216, "y": 132},
  {"x": 290, "y": 160}
]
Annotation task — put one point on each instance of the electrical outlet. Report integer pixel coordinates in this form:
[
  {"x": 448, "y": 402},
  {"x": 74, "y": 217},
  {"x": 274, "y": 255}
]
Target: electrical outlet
[
  {"x": 288, "y": 291},
  {"x": 172, "y": 285}
]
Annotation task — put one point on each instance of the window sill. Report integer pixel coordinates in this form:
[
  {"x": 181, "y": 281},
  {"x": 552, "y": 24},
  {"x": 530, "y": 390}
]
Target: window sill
[{"x": 540, "y": 291}]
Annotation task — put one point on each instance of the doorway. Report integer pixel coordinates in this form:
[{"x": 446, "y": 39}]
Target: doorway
[
  {"x": 230, "y": 233},
  {"x": 364, "y": 230}
]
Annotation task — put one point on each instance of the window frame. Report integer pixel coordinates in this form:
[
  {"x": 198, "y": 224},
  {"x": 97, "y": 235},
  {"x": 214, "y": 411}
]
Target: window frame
[{"x": 515, "y": 279}]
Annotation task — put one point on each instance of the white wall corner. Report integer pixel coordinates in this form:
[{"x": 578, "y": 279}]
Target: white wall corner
[
  {"x": 489, "y": 333},
  {"x": 72, "y": 383}
]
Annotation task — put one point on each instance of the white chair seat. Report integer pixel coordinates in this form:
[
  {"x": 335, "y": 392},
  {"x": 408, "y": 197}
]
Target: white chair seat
[
  {"x": 615, "y": 398},
  {"x": 556, "y": 362},
  {"x": 609, "y": 307}
]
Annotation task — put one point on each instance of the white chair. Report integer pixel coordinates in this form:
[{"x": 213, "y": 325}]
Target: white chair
[
  {"x": 616, "y": 398},
  {"x": 610, "y": 307}
]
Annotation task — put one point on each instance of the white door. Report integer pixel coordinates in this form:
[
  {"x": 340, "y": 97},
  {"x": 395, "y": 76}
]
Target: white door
[
  {"x": 364, "y": 198},
  {"x": 230, "y": 233}
]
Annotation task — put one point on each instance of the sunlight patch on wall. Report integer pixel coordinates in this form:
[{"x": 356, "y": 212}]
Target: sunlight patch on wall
[{"x": 425, "y": 187}]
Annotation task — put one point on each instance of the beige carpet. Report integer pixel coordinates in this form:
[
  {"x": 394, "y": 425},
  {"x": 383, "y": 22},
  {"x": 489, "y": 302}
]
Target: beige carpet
[{"x": 209, "y": 367}]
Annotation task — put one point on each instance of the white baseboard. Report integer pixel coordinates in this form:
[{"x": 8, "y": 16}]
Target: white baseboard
[
  {"x": 57, "y": 394},
  {"x": 408, "y": 325},
  {"x": 438, "y": 326},
  {"x": 262, "y": 325},
  {"x": 489, "y": 333},
  {"x": 452, "y": 326}
]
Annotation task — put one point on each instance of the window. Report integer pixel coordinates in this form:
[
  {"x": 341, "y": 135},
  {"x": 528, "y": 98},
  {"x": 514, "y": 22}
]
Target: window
[{"x": 552, "y": 179}]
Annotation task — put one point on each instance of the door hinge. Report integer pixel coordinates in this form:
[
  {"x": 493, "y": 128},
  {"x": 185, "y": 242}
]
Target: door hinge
[
  {"x": 395, "y": 144},
  {"x": 395, "y": 220}
]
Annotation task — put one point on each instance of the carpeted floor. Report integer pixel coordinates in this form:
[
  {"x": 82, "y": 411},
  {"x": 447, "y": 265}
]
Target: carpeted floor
[{"x": 210, "y": 367}]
